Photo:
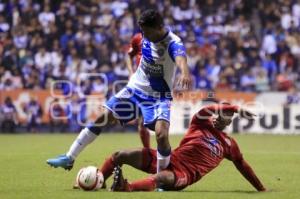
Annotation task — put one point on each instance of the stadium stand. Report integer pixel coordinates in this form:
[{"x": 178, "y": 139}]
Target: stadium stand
[{"x": 239, "y": 45}]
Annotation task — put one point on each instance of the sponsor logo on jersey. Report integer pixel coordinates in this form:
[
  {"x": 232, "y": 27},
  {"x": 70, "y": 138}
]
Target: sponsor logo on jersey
[
  {"x": 179, "y": 52},
  {"x": 214, "y": 145},
  {"x": 153, "y": 70}
]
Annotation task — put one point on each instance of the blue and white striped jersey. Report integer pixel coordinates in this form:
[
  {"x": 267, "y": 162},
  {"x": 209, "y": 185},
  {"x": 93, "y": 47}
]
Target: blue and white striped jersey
[{"x": 156, "y": 71}]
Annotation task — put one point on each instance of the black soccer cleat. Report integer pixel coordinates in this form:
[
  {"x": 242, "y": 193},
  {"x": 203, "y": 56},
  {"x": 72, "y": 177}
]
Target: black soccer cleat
[{"x": 119, "y": 184}]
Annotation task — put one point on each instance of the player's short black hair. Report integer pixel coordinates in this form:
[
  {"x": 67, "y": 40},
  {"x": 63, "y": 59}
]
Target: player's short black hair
[{"x": 151, "y": 18}]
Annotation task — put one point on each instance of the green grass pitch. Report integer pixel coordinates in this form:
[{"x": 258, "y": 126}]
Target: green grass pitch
[{"x": 24, "y": 173}]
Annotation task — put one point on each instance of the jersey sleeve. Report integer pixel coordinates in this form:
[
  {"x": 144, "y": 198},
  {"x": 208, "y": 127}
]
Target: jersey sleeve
[
  {"x": 234, "y": 151},
  {"x": 176, "y": 48}
]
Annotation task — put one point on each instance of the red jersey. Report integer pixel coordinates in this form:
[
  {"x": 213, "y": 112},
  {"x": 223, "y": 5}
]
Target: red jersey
[
  {"x": 135, "y": 49},
  {"x": 204, "y": 147},
  {"x": 201, "y": 150}
]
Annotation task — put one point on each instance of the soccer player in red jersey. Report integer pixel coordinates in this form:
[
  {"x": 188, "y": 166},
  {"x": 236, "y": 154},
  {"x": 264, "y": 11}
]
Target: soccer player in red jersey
[
  {"x": 135, "y": 52},
  {"x": 201, "y": 150}
]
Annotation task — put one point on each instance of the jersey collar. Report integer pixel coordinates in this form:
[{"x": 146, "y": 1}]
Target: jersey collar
[{"x": 163, "y": 37}]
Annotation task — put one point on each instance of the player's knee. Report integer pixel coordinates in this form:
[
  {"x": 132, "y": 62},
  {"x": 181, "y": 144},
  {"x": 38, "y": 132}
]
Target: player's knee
[
  {"x": 110, "y": 116},
  {"x": 120, "y": 157},
  {"x": 106, "y": 117}
]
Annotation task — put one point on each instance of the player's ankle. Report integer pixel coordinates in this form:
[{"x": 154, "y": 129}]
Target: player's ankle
[
  {"x": 128, "y": 186},
  {"x": 70, "y": 157}
]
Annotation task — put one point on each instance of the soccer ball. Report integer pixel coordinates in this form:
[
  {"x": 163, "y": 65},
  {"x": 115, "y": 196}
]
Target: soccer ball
[{"x": 90, "y": 179}]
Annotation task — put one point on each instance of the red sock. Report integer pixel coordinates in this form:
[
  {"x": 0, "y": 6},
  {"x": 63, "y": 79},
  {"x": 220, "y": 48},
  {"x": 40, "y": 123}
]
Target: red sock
[
  {"x": 147, "y": 184},
  {"x": 145, "y": 137},
  {"x": 107, "y": 168}
]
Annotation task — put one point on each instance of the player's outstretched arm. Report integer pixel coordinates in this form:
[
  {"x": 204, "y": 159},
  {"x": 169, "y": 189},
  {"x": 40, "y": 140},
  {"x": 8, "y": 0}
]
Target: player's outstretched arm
[
  {"x": 246, "y": 170},
  {"x": 185, "y": 80},
  {"x": 208, "y": 111}
]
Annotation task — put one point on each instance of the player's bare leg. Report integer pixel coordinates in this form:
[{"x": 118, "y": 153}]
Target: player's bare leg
[
  {"x": 133, "y": 158},
  {"x": 144, "y": 133},
  {"x": 163, "y": 145},
  {"x": 85, "y": 137},
  {"x": 164, "y": 179}
]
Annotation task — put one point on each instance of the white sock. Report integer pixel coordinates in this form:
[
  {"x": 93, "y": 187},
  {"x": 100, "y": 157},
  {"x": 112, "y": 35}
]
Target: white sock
[
  {"x": 162, "y": 162},
  {"x": 84, "y": 138}
]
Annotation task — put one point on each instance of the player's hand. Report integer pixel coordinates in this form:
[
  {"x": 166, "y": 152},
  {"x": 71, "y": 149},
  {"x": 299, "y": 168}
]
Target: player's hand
[
  {"x": 264, "y": 190},
  {"x": 185, "y": 81},
  {"x": 247, "y": 114}
]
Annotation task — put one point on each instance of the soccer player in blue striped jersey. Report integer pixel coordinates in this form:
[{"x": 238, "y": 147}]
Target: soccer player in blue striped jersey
[{"x": 148, "y": 91}]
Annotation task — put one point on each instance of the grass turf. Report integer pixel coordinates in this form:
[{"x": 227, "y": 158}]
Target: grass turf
[{"x": 24, "y": 173}]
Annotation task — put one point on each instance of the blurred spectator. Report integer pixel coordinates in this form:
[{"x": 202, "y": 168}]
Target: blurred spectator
[
  {"x": 184, "y": 12},
  {"x": 46, "y": 18},
  {"x": 293, "y": 42},
  {"x": 10, "y": 81},
  {"x": 121, "y": 71},
  {"x": 34, "y": 113},
  {"x": 126, "y": 26},
  {"x": 4, "y": 26},
  {"x": 269, "y": 45},
  {"x": 270, "y": 66},
  {"x": 287, "y": 20},
  {"x": 293, "y": 96},
  {"x": 99, "y": 85},
  {"x": 57, "y": 117},
  {"x": 251, "y": 46},
  {"x": 76, "y": 113},
  {"x": 248, "y": 82},
  {"x": 202, "y": 81},
  {"x": 213, "y": 70},
  {"x": 41, "y": 41},
  {"x": 20, "y": 37},
  {"x": 193, "y": 59},
  {"x": 9, "y": 118},
  {"x": 285, "y": 80},
  {"x": 261, "y": 81},
  {"x": 223, "y": 84},
  {"x": 42, "y": 59},
  {"x": 89, "y": 63}
]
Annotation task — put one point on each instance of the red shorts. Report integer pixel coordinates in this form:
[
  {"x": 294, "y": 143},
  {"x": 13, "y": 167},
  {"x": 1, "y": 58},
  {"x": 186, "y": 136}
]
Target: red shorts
[{"x": 182, "y": 179}]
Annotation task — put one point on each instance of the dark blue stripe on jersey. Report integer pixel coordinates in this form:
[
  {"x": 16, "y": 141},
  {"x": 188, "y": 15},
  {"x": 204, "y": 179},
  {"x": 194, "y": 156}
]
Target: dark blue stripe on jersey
[
  {"x": 159, "y": 84},
  {"x": 146, "y": 52},
  {"x": 176, "y": 49}
]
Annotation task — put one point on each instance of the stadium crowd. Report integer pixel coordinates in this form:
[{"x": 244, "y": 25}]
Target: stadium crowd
[
  {"x": 243, "y": 45},
  {"x": 240, "y": 45}
]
